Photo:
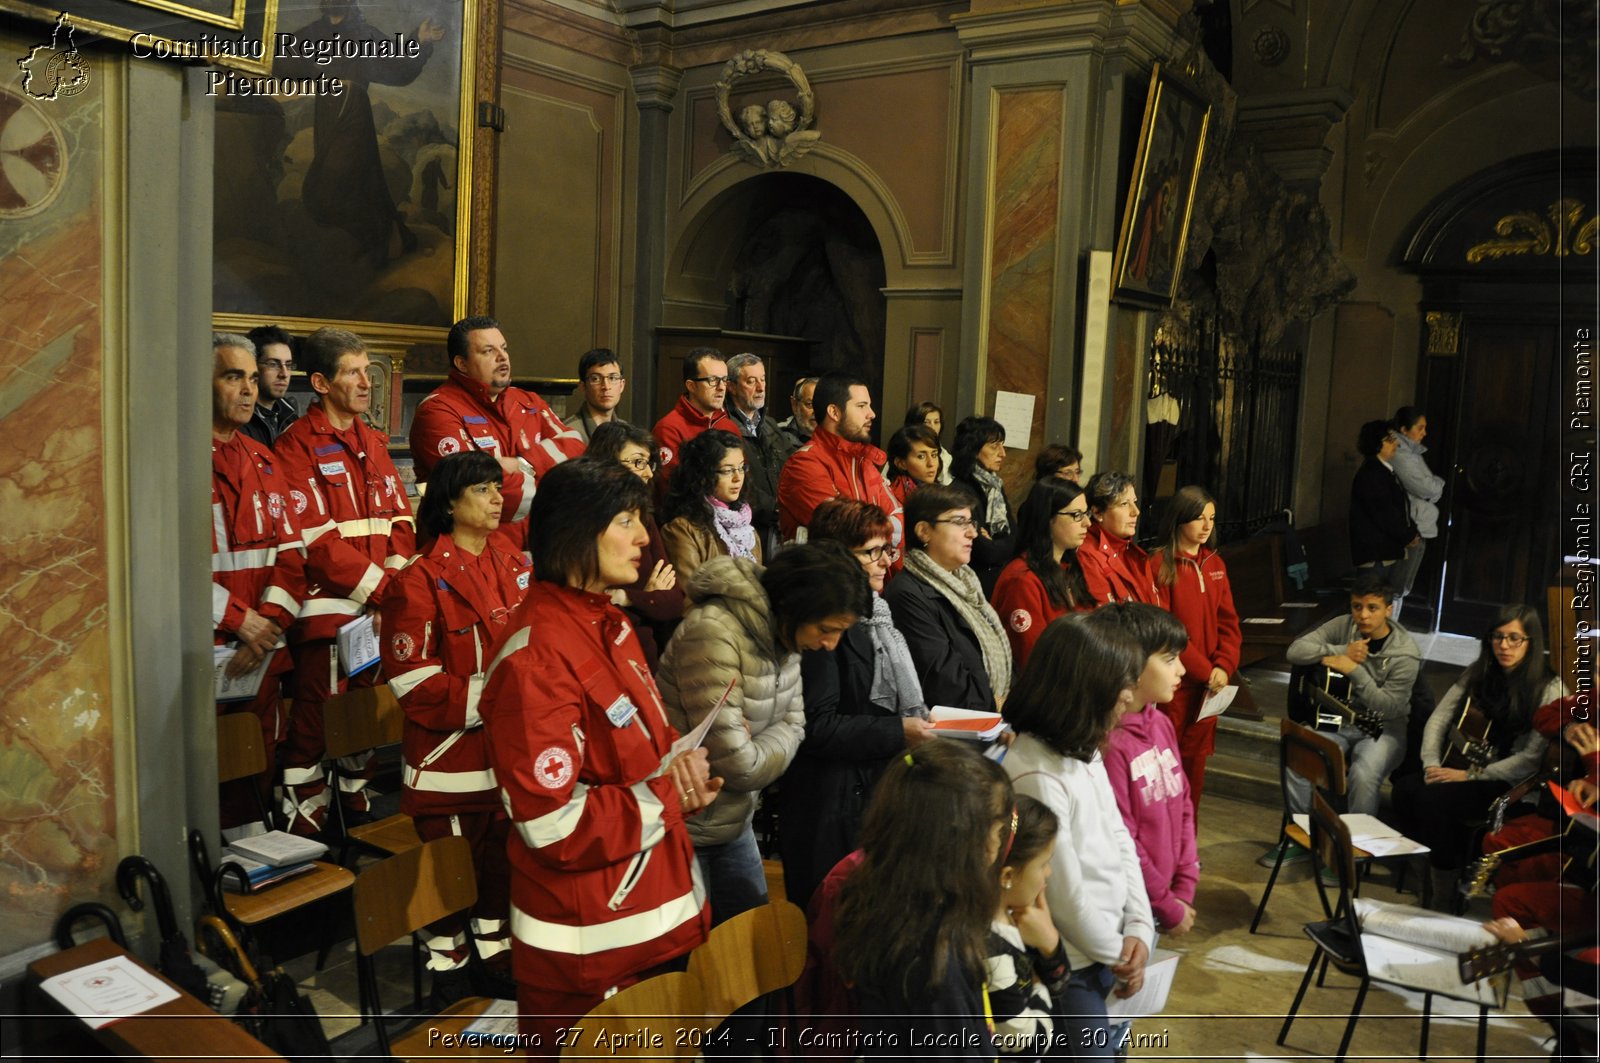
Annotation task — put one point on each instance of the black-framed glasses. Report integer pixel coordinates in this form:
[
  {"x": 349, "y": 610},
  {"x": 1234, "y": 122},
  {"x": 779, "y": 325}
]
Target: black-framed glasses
[
  {"x": 1510, "y": 638},
  {"x": 639, "y": 464},
  {"x": 275, "y": 363},
  {"x": 879, "y": 553},
  {"x": 714, "y": 381},
  {"x": 958, "y": 522},
  {"x": 594, "y": 380},
  {"x": 732, "y": 470},
  {"x": 1077, "y": 516}
]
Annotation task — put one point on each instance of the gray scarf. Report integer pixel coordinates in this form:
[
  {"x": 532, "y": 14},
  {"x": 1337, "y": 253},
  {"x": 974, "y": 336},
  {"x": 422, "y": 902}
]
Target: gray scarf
[
  {"x": 895, "y": 686},
  {"x": 963, "y": 591},
  {"x": 994, "y": 495}
]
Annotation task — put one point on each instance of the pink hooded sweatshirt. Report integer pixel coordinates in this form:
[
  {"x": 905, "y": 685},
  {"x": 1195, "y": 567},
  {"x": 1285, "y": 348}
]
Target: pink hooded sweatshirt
[{"x": 1153, "y": 795}]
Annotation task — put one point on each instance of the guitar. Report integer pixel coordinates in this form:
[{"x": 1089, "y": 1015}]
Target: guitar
[
  {"x": 1330, "y": 699},
  {"x": 1578, "y": 844},
  {"x": 1467, "y": 746},
  {"x": 1492, "y": 959},
  {"x": 1500, "y": 805}
]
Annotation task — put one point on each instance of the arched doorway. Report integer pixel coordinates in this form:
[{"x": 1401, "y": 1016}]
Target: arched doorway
[{"x": 1508, "y": 279}]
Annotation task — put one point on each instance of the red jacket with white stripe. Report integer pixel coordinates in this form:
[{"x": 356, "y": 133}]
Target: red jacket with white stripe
[
  {"x": 441, "y": 617},
  {"x": 257, "y": 559},
  {"x": 459, "y": 415},
  {"x": 1024, "y": 607},
  {"x": 831, "y": 466},
  {"x": 1116, "y": 569},
  {"x": 603, "y": 878},
  {"x": 353, "y": 514},
  {"x": 682, "y": 423},
  {"x": 1201, "y": 597}
]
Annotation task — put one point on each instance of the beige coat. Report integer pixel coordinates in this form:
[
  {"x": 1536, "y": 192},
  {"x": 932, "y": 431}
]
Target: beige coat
[{"x": 690, "y": 545}]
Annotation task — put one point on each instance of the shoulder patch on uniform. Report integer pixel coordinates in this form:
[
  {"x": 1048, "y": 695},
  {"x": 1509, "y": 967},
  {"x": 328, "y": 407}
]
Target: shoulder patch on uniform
[
  {"x": 449, "y": 445},
  {"x": 553, "y": 768},
  {"x": 403, "y": 646},
  {"x": 1020, "y": 620},
  {"x": 299, "y": 500},
  {"x": 666, "y": 455}
]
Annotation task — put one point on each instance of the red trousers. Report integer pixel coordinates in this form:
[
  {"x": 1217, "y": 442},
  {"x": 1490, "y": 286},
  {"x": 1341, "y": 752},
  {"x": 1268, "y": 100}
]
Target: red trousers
[{"x": 1196, "y": 741}]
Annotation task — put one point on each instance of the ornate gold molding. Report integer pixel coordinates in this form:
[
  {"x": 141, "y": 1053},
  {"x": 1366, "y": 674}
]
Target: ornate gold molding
[
  {"x": 1444, "y": 332},
  {"x": 1525, "y": 232}
]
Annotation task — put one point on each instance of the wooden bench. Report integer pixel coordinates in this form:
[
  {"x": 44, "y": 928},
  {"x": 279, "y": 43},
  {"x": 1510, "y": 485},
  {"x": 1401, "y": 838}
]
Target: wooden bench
[{"x": 1256, "y": 574}]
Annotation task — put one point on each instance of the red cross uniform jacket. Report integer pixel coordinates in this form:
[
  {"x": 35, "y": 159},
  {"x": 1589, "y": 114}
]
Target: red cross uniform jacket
[
  {"x": 831, "y": 466},
  {"x": 353, "y": 514},
  {"x": 257, "y": 558},
  {"x": 441, "y": 618},
  {"x": 603, "y": 878},
  {"x": 1116, "y": 569},
  {"x": 1024, "y": 607},
  {"x": 459, "y": 416},
  {"x": 1201, "y": 597},
  {"x": 682, "y": 423}
]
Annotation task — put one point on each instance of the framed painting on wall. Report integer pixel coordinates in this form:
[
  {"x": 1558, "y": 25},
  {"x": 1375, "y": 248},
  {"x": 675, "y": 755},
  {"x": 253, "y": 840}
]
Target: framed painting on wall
[
  {"x": 1155, "y": 222},
  {"x": 343, "y": 197}
]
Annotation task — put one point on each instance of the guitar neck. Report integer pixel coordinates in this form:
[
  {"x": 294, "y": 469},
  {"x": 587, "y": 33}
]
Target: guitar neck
[{"x": 1481, "y": 963}]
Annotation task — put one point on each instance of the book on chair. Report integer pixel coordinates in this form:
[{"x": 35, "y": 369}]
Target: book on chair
[{"x": 1413, "y": 947}]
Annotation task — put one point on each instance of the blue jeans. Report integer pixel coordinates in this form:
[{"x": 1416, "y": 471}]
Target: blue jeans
[
  {"x": 735, "y": 880},
  {"x": 1368, "y": 762},
  {"x": 1082, "y": 1026}
]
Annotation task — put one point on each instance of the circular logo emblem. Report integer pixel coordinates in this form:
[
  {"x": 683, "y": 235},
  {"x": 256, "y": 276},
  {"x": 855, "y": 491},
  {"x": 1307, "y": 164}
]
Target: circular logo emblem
[
  {"x": 402, "y": 645},
  {"x": 449, "y": 445},
  {"x": 553, "y": 768},
  {"x": 275, "y": 505},
  {"x": 299, "y": 500},
  {"x": 1020, "y": 620},
  {"x": 666, "y": 456}
]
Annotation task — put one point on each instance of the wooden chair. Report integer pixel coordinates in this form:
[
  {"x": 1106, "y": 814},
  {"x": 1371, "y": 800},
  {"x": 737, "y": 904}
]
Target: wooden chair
[
  {"x": 1338, "y": 940},
  {"x": 754, "y": 953},
  {"x": 1318, "y": 760},
  {"x": 239, "y": 755},
  {"x": 352, "y": 722},
  {"x": 395, "y": 898},
  {"x": 653, "y": 1019}
]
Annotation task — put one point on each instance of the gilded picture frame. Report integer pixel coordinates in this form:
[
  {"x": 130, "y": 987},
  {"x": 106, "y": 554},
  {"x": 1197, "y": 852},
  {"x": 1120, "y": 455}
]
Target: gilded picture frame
[
  {"x": 1155, "y": 221},
  {"x": 163, "y": 30}
]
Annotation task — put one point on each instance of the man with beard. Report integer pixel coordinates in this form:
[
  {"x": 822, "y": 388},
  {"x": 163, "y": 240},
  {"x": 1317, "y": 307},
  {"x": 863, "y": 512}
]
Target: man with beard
[{"x": 839, "y": 462}]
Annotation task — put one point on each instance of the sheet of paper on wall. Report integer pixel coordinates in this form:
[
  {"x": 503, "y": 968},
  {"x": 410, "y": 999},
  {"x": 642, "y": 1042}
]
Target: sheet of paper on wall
[
  {"x": 358, "y": 645},
  {"x": 101, "y": 993},
  {"x": 1217, "y": 704},
  {"x": 235, "y": 687},
  {"x": 1014, "y": 411}
]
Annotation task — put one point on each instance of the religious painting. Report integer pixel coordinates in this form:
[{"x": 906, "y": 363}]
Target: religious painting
[
  {"x": 1155, "y": 223},
  {"x": 341, "y": 188},
  {"x": 232, "y": 34}
]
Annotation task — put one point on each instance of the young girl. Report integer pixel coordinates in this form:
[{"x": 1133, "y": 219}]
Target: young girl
[
  {"x": 913, "y": 460},
  {"x": 1028, "y": 966},
  {"x": 912, "y": 918},
  {"x": 1142, "y": 764},
  {"x": 705, "y": 515},
  {"x": 1192, "y": 582},
  {"x": 1077, "y": 683},
  {"x": 930, "y": 415}
]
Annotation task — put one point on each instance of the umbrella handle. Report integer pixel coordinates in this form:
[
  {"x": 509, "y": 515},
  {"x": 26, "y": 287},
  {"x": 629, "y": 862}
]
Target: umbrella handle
[{"x": 209, "y": 927}]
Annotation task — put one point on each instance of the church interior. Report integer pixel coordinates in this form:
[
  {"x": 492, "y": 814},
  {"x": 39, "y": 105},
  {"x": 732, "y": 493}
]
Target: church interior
[{"x": 1204, "y": 241}]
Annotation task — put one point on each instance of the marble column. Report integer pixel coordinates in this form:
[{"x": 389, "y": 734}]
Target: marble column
[{"x": 655, "y": 87}]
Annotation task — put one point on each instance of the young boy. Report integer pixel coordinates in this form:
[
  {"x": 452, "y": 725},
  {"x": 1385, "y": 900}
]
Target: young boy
[{"x": 1142, "y": 762}]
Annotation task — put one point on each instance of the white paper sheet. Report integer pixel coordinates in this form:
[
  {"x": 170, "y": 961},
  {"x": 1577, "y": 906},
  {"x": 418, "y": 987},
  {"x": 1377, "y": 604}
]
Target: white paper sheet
[
  {"x": 693, "y": 739},
  {"x": 101, "y": 993},
  {"x": 238, "y": 687},
  {"x": 1014, "y": 411},
  {"x": 358, "y": 645},
  {"x": 1217, "y": 704},
  {"x": 1151, "y": 999}
]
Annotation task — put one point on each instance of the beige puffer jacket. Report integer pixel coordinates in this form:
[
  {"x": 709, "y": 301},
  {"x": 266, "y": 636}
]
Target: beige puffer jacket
[{"x": 727, "y": 634}]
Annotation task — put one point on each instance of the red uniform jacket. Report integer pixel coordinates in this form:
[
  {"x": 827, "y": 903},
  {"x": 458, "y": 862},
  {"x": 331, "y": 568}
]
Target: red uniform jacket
[
  {"x": 601, "y": 879},
  {"x": 441, "y": 618},
  {"x": 519, "y": 424},
  {"x": 1023, "y": 606},
  {"x": 353, "y": 515},
  {"x": 1201, "y": 598},
  {"x": 831, "y": 466},
  {"x": 1116, "y": 570},
  {"x": 257, "y": 558},
  {"x": 682, "y": 423}
]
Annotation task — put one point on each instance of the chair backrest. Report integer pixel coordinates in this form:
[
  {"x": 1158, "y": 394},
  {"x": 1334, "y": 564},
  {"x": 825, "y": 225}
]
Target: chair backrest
[
  {"x": 1330, "y": 840},
  {"x": 361, "y": 719},
  {"x": 395, "y": 897},
  {"x": 754, "y": 953},
  {"x": 1313, "y": 756},
  {"x": 665, "y": 1009},
  {"x": 240, "y": 753}
]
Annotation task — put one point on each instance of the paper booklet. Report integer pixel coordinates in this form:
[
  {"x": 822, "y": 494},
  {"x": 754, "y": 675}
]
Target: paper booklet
[
  {"x": 358, "y": 645},
  {"x": 238, "y": 687},
  {"x": 693, "y": 739},
  {"x": 101, "y": 993},
  {"x": 279, "y": 848},
  {"x": 970, "y": 724},
  {"x": 1151, "y": 999},
  {"x": 1416, "y": 948},
  {"x": 1217, "y": 704}
]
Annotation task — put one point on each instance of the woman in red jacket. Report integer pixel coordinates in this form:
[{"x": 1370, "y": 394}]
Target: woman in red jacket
[
  {"x": 602, "y": 888},
  {"x": 1044, "y": 580},
  {"x": 1114, "y": 566},
  {"x": 441, "y": 617},
  {"x": 1193, "y": 583}
]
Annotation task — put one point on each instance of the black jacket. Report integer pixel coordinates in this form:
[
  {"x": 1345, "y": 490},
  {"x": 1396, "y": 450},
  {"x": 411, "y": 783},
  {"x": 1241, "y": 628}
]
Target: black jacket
[
  {"x": 948, "y": 658},
  {"x": 849, "y": 742},
  {"x": 1380, "y": 515},
  {"x": 765, "y": 453},
  {"x": 990, "y": 553}
]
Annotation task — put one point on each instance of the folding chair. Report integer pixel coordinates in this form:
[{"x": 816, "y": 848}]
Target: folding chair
[
  {"x": 652, "y": 1019},
  {"x": 1339, "y": 941},
  {"x": 395, "y": 898},
  {"x": 352, "y": 722},
  {"x": 754, "y": 953},
  {"x": 1320, "y": 761}
]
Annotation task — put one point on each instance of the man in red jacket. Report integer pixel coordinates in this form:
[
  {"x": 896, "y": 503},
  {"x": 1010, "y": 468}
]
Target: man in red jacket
[
  {"x": 257, "y": 562},
  {"x": 839, "y": 462},
  {"x": 705, "y": 388},
  {"x": 477, "y": 408},
  {"x": 357, "y": 526}
]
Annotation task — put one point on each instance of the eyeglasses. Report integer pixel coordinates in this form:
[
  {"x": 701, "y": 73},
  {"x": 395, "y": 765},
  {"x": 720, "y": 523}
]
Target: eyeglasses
[
  {"x": 732, "y": 470},
  {"x": 1077, "y": 516},
  {"x": 879, "y": 553},
  {"x": 638, "y": 464},
  {"x": 594, "y": 380},
  {"x": 960, "y": 522},
  {"x": 275, "y": 363},
  {"x": 714, "y": 381},
  {"x": 1509, "y": 638}
]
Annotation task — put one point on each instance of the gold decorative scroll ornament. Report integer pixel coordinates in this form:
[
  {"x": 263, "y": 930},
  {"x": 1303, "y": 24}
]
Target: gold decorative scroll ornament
[{"x": 1525, "y": 232}]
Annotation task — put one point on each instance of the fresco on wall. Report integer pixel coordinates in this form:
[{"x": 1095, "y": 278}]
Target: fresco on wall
[{"x": 58, "y": 804}]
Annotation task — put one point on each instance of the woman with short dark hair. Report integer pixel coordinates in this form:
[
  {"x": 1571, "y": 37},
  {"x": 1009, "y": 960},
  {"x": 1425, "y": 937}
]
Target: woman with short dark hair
[
  {"x": 980, "y": 451},
  {"x": 914, "y": 460},
  {"x": 705, "y": 515},
  {"x": 1381, "y": 529},
  {"x": 1063, "y": 461},
  {"x": 1114, "y": 566},
  {"x": 929, "y": 415},
  {"x": 602, "y": 888}
]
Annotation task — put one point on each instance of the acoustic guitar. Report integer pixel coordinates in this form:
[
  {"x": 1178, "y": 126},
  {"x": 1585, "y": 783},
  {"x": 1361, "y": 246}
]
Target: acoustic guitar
[
  {"x": 1492, "y": 959},
  {"x": 1330, "y": 699},
  {"x": 1467, "y": 746}
]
